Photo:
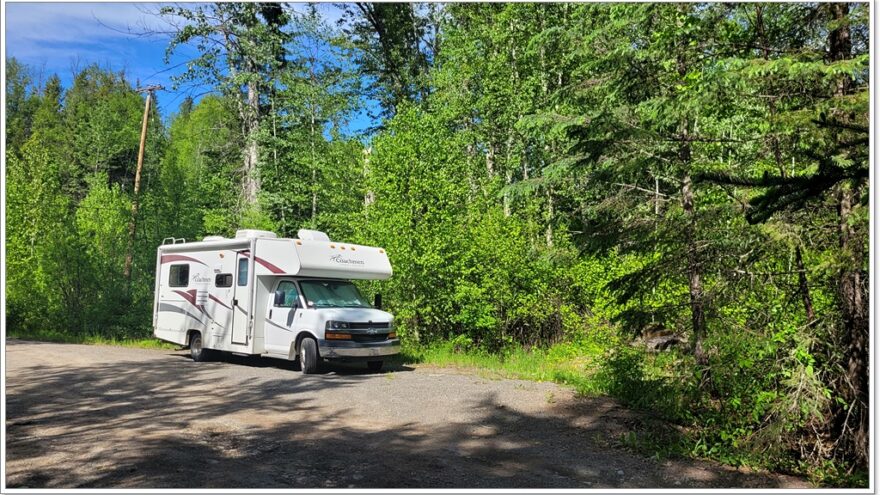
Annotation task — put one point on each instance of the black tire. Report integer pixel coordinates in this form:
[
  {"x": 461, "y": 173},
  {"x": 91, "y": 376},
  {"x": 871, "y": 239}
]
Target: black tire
[
  {"x": 308, "y": 356},
  {"x": 198, "y": 353},
  {"x": 374, "y": 365}
]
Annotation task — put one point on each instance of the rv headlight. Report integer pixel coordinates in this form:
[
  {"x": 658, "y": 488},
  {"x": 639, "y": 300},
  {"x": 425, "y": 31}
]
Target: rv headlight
[{"x": 337, "y": 325}]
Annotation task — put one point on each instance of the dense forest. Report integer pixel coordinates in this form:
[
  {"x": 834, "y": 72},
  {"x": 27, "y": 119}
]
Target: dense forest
[{"x": 571, "y": 180}]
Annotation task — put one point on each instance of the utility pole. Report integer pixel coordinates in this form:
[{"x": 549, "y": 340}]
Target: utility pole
[{"x": 137, "y": 178}]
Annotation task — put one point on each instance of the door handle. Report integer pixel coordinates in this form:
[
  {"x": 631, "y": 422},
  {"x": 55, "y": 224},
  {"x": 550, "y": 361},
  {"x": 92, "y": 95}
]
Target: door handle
[
  {"x": 235, "y": 302},
  {"x": 270, "y": 314}
]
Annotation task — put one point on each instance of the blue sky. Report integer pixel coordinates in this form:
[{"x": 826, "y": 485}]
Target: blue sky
[{"x": 60, "y": 38}]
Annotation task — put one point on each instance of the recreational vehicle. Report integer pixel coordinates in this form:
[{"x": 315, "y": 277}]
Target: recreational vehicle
[{"x": 257, "y": 294}]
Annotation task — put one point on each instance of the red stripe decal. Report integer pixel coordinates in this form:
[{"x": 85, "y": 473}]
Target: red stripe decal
[
  {"x": 218, "y": 301},
  {"x": 167, "y": 258},
  {"x": 272, "y": 268},
  {"x": 190, "y": 296}
]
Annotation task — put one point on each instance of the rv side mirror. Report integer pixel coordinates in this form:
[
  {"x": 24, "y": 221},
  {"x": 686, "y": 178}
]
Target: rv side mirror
[
  {"x": 279, "y": 298},
  {"x": 377, "y": 301}
]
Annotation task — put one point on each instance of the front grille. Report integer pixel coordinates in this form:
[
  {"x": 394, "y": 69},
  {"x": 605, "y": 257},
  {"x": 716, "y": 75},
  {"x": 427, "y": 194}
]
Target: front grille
[
  {"x": 366, "y": 324},
  {"x": 366, "y": 338}
]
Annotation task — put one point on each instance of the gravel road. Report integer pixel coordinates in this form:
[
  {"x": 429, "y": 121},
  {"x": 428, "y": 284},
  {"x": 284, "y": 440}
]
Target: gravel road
[{"x": 101, "y": 416}]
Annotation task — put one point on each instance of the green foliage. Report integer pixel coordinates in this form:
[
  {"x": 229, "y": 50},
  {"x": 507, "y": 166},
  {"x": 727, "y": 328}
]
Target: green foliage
[
  {"x": 239, "y": 44},
  {"x": 21, "y": 104},
  {"x": 69, "y": 209},
  {"x": 550, "y": 181},
  {"x": 576, "y": 363},
  {"x": 101, "y": 236},
  {"x": 462, "y": 265},
  {"x": 62, "y": 336},
  {"x": 199, "y": 171},
  {"x": 312, "y": 173},
  {"x": 38, "y": 226},
  {"x": 392, "y": 45}
]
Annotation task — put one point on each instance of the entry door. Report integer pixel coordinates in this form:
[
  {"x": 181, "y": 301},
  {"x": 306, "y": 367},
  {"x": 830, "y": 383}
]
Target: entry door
[
  {"x": 241, "y": 299},
  {"x": 280, "y": 317}
]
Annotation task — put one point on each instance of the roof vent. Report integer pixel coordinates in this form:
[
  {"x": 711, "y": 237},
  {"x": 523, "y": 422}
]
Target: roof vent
[
  {"x": 213, "y": 238},
  {"x": 312, "y": 235},
  {"x": 251, "y": 234}
]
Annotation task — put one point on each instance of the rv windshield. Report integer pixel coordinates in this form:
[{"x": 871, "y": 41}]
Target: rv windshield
[{"x": 333, "y": 294}]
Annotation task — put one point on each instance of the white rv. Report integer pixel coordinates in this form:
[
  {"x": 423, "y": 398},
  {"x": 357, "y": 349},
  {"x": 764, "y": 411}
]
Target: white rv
[{"x": 258, "y": 294}]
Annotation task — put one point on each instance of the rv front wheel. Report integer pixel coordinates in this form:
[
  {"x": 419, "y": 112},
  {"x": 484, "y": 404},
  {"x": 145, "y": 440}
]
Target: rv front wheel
[
  {"x": 196, "y": 350},
  {"x": 308, "y": 356}
]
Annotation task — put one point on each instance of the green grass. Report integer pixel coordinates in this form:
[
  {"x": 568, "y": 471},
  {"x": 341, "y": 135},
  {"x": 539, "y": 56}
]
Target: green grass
[
  {"x": 574, "y": 365},
  {"x": 65, "y": 338}
]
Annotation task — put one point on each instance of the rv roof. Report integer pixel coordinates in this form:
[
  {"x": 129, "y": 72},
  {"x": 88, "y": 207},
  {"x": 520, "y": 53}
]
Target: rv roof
[
  {"x": 300, "y": 257},
  {"x": 251, "y": 233}
]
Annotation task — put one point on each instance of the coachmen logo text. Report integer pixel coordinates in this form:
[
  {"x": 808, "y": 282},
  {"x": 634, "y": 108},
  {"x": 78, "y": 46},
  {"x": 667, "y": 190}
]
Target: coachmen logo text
[{"x": 337, "y": 258}]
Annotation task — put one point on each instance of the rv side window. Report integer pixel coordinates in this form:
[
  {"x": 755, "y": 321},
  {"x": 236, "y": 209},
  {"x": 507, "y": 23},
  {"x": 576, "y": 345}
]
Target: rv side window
[
  {"x": 242, "y": 272},
  {"x": 223, "y": 280},
  {"x": 179, "y": 276},
  {"x": 291, "y": 295}
]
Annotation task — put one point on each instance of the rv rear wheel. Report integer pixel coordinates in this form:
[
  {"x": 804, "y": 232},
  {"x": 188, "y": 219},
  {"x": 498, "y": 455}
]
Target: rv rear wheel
[
  {"x": 196, "y": 351},
  {"x": 374, "y": 365},
  {"x": 308, "y": 356}
]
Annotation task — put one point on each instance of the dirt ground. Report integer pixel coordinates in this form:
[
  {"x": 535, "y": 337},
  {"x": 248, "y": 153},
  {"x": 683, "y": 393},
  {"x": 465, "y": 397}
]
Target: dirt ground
[{"x": 100, "y": 417}]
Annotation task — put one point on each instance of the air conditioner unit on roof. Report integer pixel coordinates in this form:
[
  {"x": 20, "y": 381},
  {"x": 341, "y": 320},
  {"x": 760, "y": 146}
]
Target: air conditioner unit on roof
[
  {"x": 251, "y": 233},
  {"x": 312, "y": 235}
]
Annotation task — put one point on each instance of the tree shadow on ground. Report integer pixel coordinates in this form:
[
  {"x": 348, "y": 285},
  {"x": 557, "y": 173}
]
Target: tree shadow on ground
[
  {"x": 351, "y": 367},
  {"x": 177, "y": 424}
]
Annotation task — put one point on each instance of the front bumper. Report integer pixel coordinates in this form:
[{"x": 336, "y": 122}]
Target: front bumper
[{"x": 346, "y": 349}]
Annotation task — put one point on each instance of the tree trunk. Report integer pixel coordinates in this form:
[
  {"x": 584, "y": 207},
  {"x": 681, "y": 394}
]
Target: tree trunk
[
  {"x": 851, "y": 423},
  {"x": 369, "y": 196},
  {"x": 803, "y": 287},
  {"x": 548, "y": 234},
  {"x": 695, "y": 287},
  {"x": 490, "y": 160},
  {"x": 250, "y": 181},
  {"x": 508, "y": 180},
  {"x": 853, "y": 420},
  {"x": 656, "y": 196},
  {"x": 275, "y": 158},
  {"x": 314, "y": 169}
]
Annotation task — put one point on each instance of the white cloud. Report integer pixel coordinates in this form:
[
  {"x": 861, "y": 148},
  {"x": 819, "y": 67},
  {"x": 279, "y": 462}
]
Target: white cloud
[
  {"x": 77, "y": 22},
  {"x": 58, "y": 37}
]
